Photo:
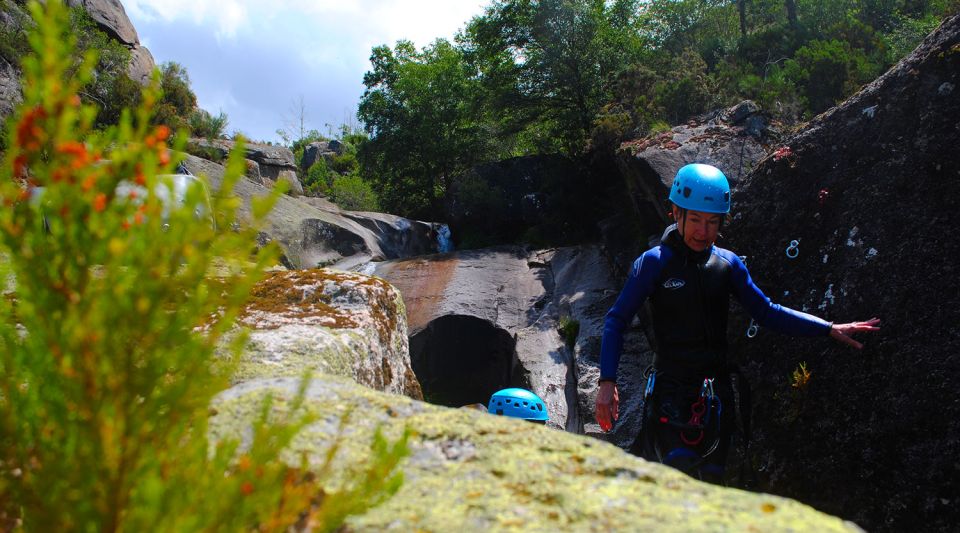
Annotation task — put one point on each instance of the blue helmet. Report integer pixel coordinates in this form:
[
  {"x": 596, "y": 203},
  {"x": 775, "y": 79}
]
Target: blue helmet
[
  {"x": 518, "y": 403},
  {"x": 699, "y": 187}
]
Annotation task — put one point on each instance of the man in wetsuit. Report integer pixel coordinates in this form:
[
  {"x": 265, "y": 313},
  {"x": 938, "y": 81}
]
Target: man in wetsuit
[{"x": 688, "y": 406}]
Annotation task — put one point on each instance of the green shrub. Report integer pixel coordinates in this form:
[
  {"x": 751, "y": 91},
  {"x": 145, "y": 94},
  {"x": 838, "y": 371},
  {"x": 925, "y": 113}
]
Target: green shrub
[
  {"x": 108, "y": 326},
  {"x": 204, "y": 124},
  {"x": 352, "y": 193},
  {"x": 684, "y": 93},
  {"x": 318, "y": 179},
  {"x": 345, "y": 163},
  {"x": 906, "y": 35},
  {"x": 609, "y": 128}
]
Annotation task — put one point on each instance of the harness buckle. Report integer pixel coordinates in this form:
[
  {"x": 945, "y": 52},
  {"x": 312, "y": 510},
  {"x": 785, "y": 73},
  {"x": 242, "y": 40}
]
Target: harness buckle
[{"x": 706, "y": 390}]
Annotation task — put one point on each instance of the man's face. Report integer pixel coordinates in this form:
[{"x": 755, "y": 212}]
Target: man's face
[{"x": 699, "y": 229}]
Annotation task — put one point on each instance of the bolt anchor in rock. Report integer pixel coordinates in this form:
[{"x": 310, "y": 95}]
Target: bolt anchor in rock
[{"x": 794, "y": 249}]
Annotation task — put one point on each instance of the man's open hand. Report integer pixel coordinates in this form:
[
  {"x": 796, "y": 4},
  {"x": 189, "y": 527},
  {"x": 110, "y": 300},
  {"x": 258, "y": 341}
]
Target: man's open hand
[
  {"x": 842, "y": 332},
  {"x": 608, "y": 405}
]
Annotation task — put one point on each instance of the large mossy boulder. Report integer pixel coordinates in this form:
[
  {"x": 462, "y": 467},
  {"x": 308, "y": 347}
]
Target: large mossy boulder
[
  {"x": 331, "y": 322},
  {"x": 470, "y": 471}
]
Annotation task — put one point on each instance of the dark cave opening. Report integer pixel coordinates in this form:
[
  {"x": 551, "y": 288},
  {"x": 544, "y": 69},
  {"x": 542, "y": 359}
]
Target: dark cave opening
[{"x": 461, "y": 360}]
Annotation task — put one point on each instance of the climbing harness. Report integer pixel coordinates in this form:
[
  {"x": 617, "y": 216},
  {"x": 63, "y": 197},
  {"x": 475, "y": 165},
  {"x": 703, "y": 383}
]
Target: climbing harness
[
  {"x": 794, "y": 249},
  {"x": 753, "y": 329},
  {"x": 700, "y": 412}
]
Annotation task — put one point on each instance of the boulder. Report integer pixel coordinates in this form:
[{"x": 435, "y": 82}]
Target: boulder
[
  {"x": 733, "y": 140},
  {"x": 328, "y": 322},
  {"x": 312, "y": 236},
  {"x": 869, "y": 189},
  {"x": 294, "y": 188},
  {"x": 397, "y": 236},
  {"x": 141, "y": 65},
  {"x": 253, "y": 171},
  {"x": 111, "y": 18},
  {"x": 315, "y": 150},
  {"x": 276, "y": 163},
  {"x": 470, "y": 471}
]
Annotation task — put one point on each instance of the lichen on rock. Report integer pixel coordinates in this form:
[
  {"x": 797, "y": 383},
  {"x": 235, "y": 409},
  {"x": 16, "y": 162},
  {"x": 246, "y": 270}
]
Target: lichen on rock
[
  {"x": 471, "y": 471},
  {"x": 331, "y": 322}
]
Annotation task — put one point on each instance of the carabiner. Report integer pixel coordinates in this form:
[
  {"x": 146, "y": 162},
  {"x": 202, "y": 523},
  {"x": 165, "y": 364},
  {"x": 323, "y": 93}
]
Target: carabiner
[
  {"x": 753, "y": 329},
  {"x": 707, "y": 390}
]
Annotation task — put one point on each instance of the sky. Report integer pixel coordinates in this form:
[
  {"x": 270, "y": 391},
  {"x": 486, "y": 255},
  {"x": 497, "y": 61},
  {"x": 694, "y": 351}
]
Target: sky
[{"x": 255, "y": 60}]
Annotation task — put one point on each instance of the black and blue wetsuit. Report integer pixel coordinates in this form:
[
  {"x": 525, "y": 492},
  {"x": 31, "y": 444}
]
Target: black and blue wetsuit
[{"x": 690, "y": 294}]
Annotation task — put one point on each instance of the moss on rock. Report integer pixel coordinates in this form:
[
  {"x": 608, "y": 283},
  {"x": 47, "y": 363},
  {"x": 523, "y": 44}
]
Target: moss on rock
[
  {"x": 331, "y": 322},
  {"x": 471, "y": 471}
]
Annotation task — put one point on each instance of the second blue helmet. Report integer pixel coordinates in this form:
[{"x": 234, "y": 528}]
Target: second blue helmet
[{"x": 518, "y": 403}]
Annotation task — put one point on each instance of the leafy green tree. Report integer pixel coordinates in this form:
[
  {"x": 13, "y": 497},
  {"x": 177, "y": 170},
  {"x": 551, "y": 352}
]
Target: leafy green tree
[
  {"x": 419, "y": 108},
  {"x": 549, "y": 64},
  {"x": 178, "y": 101}
]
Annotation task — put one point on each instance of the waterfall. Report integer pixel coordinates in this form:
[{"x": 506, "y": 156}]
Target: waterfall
[{"x": 444, "y": 244}]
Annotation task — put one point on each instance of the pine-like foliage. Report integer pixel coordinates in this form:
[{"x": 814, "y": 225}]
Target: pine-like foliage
[{"x": 114, "y": 302}]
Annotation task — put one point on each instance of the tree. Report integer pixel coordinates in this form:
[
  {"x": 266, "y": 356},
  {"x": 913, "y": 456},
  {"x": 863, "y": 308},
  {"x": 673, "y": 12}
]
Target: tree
[
  {"x": 295, "y": 123},
  {"x": 420, "y": 111},
  {"x": 178, "y": 101},
  {"x": 549, "y": 64}
]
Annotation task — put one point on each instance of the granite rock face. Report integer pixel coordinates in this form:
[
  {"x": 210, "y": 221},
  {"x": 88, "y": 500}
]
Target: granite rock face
[
  {"x": 111, "y": 18},
  {"x": 868, "y": 189},
  {"x": 276, "y": 163},
  {"x": 734, "y": 140},
  {"x": 10, "y": 92},
  {"x": 482, "y": 320},
  {"x": 330, "y": 322},
  {"x": 314, "y": 233},
  {"x": 470, "y": 471},
  {"x": 141, "y": 65}
]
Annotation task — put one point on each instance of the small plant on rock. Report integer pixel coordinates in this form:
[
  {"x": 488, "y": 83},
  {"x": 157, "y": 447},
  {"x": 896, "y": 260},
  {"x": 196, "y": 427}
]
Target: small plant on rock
[
  {"x": 569, "y": 329},
  {"x": 800, "y": 377}
]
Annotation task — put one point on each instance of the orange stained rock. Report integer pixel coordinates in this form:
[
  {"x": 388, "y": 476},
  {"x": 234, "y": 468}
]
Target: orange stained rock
[{"x": 421, "y": 283}]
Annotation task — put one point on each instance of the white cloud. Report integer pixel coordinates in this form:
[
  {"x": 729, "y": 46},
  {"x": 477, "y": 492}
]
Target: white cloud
[
  {"x": 224, "y": 16},
  {"x": 421, "y": 21},
  {"x": 251, "y": 58}
]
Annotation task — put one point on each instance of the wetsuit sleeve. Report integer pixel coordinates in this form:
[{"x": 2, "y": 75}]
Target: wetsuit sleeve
[
  {"x": 768, "y": 314},
  {"x": 639, "y": 286}
]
